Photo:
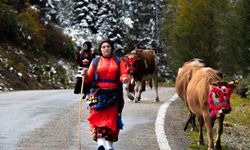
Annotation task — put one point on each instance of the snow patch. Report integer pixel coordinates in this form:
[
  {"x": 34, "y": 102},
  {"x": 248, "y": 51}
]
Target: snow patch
[
  {"x": 129, "y": 22},
  {"x": 19, "y": 74}
]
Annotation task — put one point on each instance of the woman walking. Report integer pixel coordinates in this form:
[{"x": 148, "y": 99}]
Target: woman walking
[
  {"x": 106, "y": 73},
  {"x": 83, "y": 59}
]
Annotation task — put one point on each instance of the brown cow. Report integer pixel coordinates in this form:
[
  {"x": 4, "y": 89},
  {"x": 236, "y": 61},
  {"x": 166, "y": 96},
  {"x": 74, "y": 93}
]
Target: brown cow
[
  {"x": 141, "y": 66},
  {"x": 181, "y": 83},
  {"x": 183, "y": 77},
  {"x": 193, "y": 87}
]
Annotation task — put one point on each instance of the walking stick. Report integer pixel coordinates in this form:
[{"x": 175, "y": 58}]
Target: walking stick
[{"x": 79, "y": 114}]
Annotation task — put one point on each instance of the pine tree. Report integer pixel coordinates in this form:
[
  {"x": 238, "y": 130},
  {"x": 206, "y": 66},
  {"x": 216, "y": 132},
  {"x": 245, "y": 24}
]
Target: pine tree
[
  {"x": 55, "y": 12},
  {"x": 144, "y": 23},
  {"x": 84, "y": 14},
  {"x": 110, "y": 21},
  {"x": 102, "y": 18}
]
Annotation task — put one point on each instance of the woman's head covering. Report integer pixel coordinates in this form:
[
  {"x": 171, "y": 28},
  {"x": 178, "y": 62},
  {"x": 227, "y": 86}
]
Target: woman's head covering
[
  {"x": 108, "y": 41},
  {"x": 88, "y": 43}
]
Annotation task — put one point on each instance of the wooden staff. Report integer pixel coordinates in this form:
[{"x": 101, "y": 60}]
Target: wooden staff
[{"x": 79, "y": 114}]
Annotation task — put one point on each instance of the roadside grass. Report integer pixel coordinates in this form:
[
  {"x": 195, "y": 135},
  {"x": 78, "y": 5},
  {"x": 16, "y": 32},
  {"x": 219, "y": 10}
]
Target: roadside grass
[
  {"x": 240, "y": 115},
  {"x": 167, "y": 84},
  {"x": 193, "y": 136}
]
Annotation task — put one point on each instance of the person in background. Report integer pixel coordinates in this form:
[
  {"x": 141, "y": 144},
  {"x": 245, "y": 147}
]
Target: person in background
[
  {"x": 83, "y": 59},
  {"x": 93, "y": 54},
  {"x": 106, "y": 73}
]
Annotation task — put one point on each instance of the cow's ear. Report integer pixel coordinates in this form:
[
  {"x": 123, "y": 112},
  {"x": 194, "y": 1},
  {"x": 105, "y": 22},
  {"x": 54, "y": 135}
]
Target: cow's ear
[
  {"x": 234, "y": 83},
  {"x": 220, "y": 74}
]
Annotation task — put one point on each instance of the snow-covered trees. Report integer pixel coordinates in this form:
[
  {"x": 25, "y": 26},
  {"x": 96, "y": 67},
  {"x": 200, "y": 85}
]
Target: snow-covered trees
[
  {"x": 101, "y": 18},
  {"x": 128, "y": 23}
]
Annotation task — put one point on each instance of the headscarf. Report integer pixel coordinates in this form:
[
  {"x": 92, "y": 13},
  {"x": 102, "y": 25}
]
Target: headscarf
[
  {"x": 108, "y": 41},
  {"x": 89, "y": 45}
]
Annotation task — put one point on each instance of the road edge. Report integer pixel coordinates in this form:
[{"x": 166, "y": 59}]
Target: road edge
[{"x": 159, "y": 124}]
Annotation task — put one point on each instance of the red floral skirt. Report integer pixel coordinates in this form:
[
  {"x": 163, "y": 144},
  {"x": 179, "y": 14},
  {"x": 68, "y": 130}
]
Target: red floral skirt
[{"x": 103, "y": 123}]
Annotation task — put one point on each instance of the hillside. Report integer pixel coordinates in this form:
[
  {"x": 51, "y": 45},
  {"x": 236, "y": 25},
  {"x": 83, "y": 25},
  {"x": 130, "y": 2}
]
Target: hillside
[
  {"x": 22, "y": 69},
  {"x": 34, "y": 53}
]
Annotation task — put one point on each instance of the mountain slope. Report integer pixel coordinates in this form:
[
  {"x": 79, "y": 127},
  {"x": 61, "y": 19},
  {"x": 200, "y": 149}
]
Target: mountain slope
[{"x": 26, "y": 70}]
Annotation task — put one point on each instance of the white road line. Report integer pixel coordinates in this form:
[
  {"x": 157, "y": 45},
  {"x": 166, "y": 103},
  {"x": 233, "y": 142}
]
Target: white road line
[{"x": 159, "y": 124}]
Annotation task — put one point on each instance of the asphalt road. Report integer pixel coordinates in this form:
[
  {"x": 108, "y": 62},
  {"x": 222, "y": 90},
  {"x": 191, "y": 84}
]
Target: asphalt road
[{"x": 38, "y": 120}]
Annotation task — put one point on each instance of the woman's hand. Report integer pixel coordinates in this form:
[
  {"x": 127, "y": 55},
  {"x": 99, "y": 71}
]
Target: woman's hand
[
  {"x": 84, "y": 72},
  {"x": 85, "y": 62}
]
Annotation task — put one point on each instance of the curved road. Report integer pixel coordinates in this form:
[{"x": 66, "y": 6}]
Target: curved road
[{"x": 48, "y": 120}]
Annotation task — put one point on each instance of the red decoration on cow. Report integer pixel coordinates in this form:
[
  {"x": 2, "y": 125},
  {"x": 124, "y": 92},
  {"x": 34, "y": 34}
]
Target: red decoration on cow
[
  {"x": 219, "y": 97},
  {"x": 130, "y": 61}
]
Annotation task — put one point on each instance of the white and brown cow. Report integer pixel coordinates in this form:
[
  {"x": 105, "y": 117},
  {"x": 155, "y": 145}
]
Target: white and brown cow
[{"x": 141, "y": 66}]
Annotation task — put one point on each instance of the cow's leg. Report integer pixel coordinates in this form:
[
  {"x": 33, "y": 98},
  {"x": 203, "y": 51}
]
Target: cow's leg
[
  {"x": 207, "y": 120},
  {"x": 191, "y": 119},
  {"x": 142, "y": 88},
  {"x": 128, "y": 87},
  {"x": 137, "y": 91},
  {"x": 219, "y": 132},
  {"x": 143, "y": 85},
  {"x": 213, "y": 118},
  {"x": 187, "y": 122},
  {"x": 156, "y": 88},
  {"x": 201, "y": 123}
]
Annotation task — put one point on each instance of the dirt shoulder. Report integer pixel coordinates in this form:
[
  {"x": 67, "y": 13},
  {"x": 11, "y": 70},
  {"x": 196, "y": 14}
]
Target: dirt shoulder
[
  {"x": 174, "y": 123},
  {"x": 236, "y": 137}
]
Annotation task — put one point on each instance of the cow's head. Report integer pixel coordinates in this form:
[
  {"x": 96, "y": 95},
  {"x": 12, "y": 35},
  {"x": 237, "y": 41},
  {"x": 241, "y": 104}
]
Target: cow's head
[
  {"x": 130, "y": 62},
  {"x": 220, "y": 97}
]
